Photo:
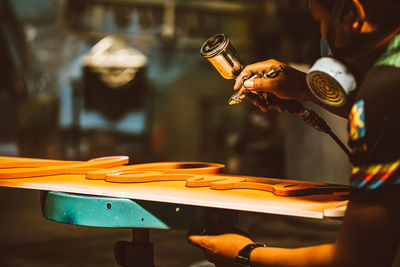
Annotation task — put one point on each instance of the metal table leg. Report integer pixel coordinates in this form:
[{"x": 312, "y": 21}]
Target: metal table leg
[{"x": 137, "y": 253}]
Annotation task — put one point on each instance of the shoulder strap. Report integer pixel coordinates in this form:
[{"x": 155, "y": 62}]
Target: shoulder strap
[{"x": 391, "y": 57}]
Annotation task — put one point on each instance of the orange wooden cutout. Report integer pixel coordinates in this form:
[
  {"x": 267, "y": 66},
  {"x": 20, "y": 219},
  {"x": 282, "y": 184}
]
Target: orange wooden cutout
[
  {"x": 191, "y": 168},
  {"x": 145, "y": 176},
  {"x": 206, "y": 180},
  {"x": 159, "y": 171},
  {"x": 182, "y": 167},
  {"x": 15, "y": 162},
  {"x": 73, "y": 168},
  {"x": 101, "y": 174},
  {"x": 276, "y": 186},
  {"x": 132, "y": 176}
]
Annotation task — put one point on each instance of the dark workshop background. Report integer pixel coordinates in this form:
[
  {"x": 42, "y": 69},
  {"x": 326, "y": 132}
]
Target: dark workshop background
[{"x": 88, "y": 78}]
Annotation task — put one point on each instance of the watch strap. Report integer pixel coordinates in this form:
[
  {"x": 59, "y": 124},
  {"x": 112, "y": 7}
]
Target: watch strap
[{"x": 243, "y": 257}]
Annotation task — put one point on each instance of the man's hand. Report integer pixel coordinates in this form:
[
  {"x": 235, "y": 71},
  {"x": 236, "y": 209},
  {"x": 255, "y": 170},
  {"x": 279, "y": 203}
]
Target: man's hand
[
  {"x": 289, "y": 85},
  {"x": 221, "y": 248}
]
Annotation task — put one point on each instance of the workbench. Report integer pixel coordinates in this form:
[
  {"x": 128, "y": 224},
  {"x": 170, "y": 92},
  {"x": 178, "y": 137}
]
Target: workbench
[{"x": 74, "y": 199}]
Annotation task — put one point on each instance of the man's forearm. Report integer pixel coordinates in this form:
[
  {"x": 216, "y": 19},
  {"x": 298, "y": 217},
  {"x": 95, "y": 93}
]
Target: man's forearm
[{"x": 322, "y": 255}]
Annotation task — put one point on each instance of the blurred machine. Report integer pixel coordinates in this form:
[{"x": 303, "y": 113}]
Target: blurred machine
[{"x": 114, "y": 75}]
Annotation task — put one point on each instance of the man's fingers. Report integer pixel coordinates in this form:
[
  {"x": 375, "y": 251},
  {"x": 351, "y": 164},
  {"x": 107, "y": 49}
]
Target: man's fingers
[
  {"x": 241, "y": 90},
  {"x": 260, "y": 84},
  {"x": 239, "y": 81},
  {"x": 248, "y": 84},
  {"x": 198, "y": 237},
  {"x": 201, "y": 241},
  {"x": 195, "y": 239},
  {"x": 248, "y": 72}
]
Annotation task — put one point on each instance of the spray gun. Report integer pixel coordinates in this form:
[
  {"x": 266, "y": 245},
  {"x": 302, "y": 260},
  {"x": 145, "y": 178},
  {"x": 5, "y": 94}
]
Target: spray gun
[{"x": 223, "y": 56}]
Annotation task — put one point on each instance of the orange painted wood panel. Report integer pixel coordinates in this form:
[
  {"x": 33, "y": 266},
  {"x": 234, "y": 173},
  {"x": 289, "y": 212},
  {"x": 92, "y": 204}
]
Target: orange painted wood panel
[{"x": 207, "y": 190}]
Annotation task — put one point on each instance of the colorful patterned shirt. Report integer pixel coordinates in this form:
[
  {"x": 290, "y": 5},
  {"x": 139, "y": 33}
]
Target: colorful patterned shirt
[{"x": 374, "y": 124}]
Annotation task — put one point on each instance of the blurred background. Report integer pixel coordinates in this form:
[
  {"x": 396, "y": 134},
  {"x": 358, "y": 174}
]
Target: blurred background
[{"x": 88, "y": 78}]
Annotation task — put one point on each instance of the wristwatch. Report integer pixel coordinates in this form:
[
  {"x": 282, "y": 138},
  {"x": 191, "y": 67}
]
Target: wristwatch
[{"x": 243, "y": 257}]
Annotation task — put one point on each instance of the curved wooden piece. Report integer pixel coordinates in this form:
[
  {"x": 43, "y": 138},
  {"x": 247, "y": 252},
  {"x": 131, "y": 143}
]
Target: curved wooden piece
[
  {"x": 132, "y": 176},
  {"x": 182, "y": 167},
  {"x": 145, "y": 176},
  {"x": 100, "y": 174},
  {"x": 74, "y": 168},
  {"x": 276, "y": 186},
  {"x": 299, "y": 188},
  {"x": 206, "y": 180},
  {"x": 190, "y": 168},
  {"x": 17, "y": 162},
  {"x": 241, "y": 184}
]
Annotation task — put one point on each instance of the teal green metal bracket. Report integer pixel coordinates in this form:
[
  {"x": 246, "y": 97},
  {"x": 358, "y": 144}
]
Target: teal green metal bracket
[{"x": 101, "y": 211}]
